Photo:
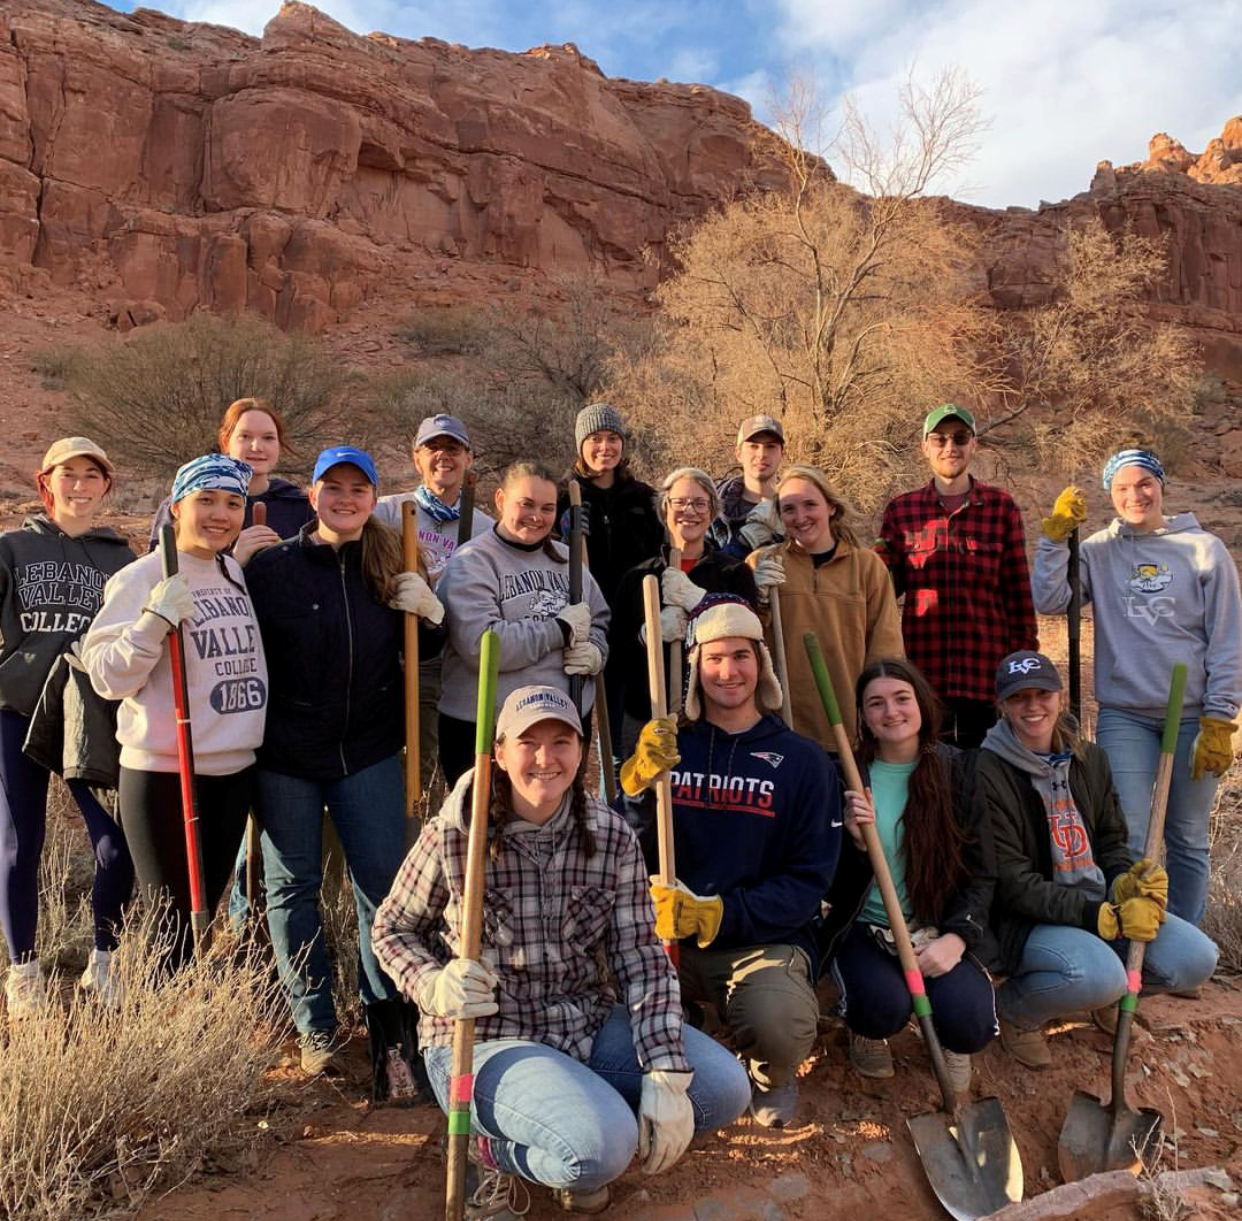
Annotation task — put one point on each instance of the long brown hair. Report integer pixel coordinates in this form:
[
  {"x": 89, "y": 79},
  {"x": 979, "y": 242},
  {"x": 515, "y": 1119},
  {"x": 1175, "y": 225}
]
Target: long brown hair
[
  {"x": 933, "y": 839},
  {"x": 503, "y": 814},
  {"x": 238, "y": 408}
]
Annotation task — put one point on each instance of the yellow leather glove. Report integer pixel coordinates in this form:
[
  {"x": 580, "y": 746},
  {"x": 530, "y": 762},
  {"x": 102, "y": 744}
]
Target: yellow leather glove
[
  {"x": 1140, "y": 919},
  {"x": 1145, "y": 879},
  {"x": 681, "y": 913},
  {"x": 1068, "y": 512},
  {"x": 1108, "y": 924},
  {"x": 655, "y": 753},
  {"x": 1213, "y": 747}
]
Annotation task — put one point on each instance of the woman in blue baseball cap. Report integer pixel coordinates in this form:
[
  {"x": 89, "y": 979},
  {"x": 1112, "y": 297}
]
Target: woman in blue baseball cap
[{"x": 331, "y": 603}]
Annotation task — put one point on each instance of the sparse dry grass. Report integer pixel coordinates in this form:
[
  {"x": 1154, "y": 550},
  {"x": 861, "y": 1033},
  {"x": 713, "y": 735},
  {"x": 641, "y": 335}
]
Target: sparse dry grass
[{"x": 1223, "y": 922}]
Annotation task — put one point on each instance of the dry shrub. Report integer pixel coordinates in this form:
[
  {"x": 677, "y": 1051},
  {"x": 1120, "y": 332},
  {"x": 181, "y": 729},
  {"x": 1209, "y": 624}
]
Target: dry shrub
[
  {"x": 448, "y": 330},
  {"x": 101, "y": 1107},
  {"x": 1223, "y": 921}
]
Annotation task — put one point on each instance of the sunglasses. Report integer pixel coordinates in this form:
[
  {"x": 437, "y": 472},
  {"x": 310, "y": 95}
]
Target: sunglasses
[{"x": 941, "y": 439}]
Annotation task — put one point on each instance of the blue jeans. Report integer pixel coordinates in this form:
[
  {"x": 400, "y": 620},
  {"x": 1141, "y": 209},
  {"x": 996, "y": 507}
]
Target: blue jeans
[
  {"x": 1132, "y": 744},
  {"x": 1065, "y": 970},
  {"x": 557, "y": 1121},
  {"x": 368, "y": 811}
]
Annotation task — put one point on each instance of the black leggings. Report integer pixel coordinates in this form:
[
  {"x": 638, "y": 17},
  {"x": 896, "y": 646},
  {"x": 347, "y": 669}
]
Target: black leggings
[{"x": 150, "y": 808}]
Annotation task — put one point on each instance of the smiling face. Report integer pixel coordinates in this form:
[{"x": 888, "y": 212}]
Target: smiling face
[
  {"x": 208, "y": 521},
  {"x": 728, "y": 673},
  {"x": 526, "y": 507},
  {"x": 77, "y": 488},
  {"x": 949, "y": 448},
  {"x": 541, "y": 763},
  {"x": 1138, "y": 497},
  {"x": 806, "y": 515},
  {"x": 760, "y": 458},
  {"x": 601, "y": 451},
  {"x": 1032, "y": 715},
  {"x": 687, "y": 512},
  {"x": 343, "y": 498},
  {"x": 255, "y": 441},
  {"x": 442, "y": 465},
  {"x": 890, "y": 711}
]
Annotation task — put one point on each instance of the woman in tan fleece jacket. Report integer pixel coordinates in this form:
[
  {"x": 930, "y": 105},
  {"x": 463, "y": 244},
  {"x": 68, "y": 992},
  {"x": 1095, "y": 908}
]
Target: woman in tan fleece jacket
[{"x": 829, "y": 585}]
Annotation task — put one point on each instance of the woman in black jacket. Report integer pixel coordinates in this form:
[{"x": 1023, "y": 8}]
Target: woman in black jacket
[
  {"x": 918, "y": 797},
  {"x": 330, "y": 605}
]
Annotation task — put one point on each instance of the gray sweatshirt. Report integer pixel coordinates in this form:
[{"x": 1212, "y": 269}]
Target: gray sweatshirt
[
  {"x": 1160, "y": 597},
  {"x": 517, "y": 593},
  {"x": 436, "y": 541}
]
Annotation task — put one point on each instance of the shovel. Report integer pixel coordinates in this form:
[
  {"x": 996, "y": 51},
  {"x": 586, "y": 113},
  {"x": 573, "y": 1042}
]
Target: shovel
[
  {"x": 1098, "y": 1136},
  {"x": 967, "y": 1150}
]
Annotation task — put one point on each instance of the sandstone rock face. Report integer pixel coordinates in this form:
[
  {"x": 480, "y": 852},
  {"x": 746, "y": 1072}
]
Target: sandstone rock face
[{"x": 174, "y": 165}]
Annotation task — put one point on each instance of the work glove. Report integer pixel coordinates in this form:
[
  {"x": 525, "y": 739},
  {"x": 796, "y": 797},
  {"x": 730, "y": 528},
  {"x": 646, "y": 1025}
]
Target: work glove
[
  {"x": 1138, "y": 919},
  {"x": 665, "y": 1119},
  {"x": 576, "y": 616},
  {"x": 1212, "y": 751},
  {"x": 769, "y": 572},
  {"x": 586, "y": 522},
  {"x": 1068, "y": 513},
  {"x": 1145, "y": 879},
  {"x": 171, "y": 600},
  {"x": 681, "y": 913},
  {"x": 463, "y": 989},
  {"x": 676, "y": 589},
  {"x": 584, "y": 658},
  {"x": 73, "y": 655},
  {"x": 762, "y": 525},
  {"x": 412, "y": 596},
  {"x": 655, "y": 753},
  {"x": 673, "y": 623}
]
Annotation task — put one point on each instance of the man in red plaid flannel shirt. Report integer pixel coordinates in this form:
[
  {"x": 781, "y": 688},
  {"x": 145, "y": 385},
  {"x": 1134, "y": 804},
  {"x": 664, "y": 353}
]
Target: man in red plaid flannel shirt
[{"x": 956, "y": 550}]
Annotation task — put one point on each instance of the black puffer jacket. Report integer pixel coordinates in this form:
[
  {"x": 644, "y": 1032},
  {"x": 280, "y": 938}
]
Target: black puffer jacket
[{"x": 967, "y": 909}]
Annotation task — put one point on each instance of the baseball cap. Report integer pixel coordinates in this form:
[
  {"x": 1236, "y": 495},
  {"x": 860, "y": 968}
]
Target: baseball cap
[
  {"x": 756, "y": 424},
  {"x": 442, "y": 426},
  {"x": 345, "y": 453},
  {"x": 1025, "y": 668},
  {"x": 948, "y": 412},
  {"x": 528, "y": 706},
  {"x": 75, "y": 447}
]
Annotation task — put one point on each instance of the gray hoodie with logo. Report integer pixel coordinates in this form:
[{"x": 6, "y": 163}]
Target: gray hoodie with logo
[{"x": 1159, "y": 597}]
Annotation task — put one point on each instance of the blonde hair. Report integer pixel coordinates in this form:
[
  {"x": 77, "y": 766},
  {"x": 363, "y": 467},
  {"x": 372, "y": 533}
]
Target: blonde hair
[{"x": 841, "y": 510}]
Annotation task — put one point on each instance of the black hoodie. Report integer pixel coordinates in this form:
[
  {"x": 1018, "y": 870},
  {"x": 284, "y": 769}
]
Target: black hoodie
[{"x": 51, "y": 585}]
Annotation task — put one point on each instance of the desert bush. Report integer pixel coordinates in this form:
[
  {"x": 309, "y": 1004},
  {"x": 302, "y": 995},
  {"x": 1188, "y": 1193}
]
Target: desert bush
[
  {"x": 55, "y": 365},
  {"x": 156, "y": 400},
  {"x": 449, "y": 330},
  {"x": 1223, "y": 920}
]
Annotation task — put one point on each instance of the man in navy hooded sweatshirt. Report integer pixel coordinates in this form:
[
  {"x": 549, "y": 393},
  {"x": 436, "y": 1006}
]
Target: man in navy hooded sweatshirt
[{"x": 756, "y": 833}]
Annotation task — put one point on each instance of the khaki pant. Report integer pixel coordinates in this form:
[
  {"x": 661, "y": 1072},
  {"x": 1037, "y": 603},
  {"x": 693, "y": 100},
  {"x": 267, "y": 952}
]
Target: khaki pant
[{"x": 764, "y": 994}]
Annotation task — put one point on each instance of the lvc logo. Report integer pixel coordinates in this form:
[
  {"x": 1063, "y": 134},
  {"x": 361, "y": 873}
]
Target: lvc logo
[
  {"x": 1025, "y": 666},
  {"x": 1149, "y": 578}
]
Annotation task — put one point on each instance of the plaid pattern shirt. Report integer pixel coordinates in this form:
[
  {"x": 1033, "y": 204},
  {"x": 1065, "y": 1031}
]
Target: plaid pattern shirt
[
  {"x": 555, "y": 923},
  {"x": 966, "y": 583}
]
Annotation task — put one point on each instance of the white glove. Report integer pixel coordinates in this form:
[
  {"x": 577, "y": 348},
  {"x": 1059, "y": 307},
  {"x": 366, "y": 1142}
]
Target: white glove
[
  {"x": 584, "y": 658},
  {"x": 677, "y": 589},
  {"x": 673, "y": 624},
  {"x": 577, "y": 617},
  {"x": 665, "y": 1119},
  {"x": 171, "y": 600},
  {"x": 412, "y": 595},
  {"x": 769, "y": 572},
  {"x": 762, "y": 525},
  {"x": 463, "y": 989},
  {"x": 73, "y": 655}
]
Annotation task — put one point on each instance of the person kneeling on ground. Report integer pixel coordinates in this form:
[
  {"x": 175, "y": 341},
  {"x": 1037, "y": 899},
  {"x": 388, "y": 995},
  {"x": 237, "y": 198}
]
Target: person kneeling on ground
[
  {"x": 756, "y": 833},
  {"x": 1069, "y": 894},
  {"x": 568, "y": 1082}
]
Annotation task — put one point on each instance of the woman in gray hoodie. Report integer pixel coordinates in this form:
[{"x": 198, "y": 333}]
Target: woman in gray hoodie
[{"x": 1163, "y": 590}]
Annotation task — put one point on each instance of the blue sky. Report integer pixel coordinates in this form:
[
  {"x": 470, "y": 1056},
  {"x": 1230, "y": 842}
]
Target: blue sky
[{"x": 1065, "y": 83}]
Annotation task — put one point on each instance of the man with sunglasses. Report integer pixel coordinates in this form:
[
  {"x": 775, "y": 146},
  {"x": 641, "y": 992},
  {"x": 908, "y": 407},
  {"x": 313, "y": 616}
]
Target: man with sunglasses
[{"x": 956, "y": 550}]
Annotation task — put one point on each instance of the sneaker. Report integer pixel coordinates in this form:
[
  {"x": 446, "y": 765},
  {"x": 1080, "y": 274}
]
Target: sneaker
[
  {"x": 871, "y": 1057},
  {"x": 573, "y": 1201},
  {"x": 402, "y": 1088},
  {"x": 102, "y": 979},
  {"x": 499, "y": 1196},
  {"x": 775, "y": 1107},
  {"x": 318, "y": 1051},
  {"x": 958, "y": 1065},
  {"x": 1028, "y": 1047},
  {"x": 24, "y": 990},
  {"x": 1105, "y": 1018}
]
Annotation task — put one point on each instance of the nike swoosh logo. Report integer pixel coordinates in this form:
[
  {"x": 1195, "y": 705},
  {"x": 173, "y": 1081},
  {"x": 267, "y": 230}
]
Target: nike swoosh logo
[{"x": 837, "y": 823}]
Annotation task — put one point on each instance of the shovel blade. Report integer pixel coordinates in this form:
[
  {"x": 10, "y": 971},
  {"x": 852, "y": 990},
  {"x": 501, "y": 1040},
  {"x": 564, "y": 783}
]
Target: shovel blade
[
  {"x": 969, "y": 1158},
  {"x": 1094, "y": 1138}
]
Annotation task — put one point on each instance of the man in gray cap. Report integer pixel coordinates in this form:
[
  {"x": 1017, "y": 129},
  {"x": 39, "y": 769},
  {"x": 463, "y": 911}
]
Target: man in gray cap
[{"x": 748, "y": 518}]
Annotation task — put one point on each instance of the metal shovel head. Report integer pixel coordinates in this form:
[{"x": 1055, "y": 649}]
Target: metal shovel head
[
  {"x": 1094, "y": 1138},
  {"x": 969, "y": 1158}
]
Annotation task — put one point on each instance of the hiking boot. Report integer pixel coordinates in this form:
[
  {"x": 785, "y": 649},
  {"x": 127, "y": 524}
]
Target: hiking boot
[
  {"x": 1105, "y": 1018},
  {"x": 499, "y": 1196},
  {"x": 318, "y": 1051},
  {"x": 1189, "y": 994},
  {"x": 102, "y": 979},
  {"x": 24, "y": 990},
  {"x": 1028, "y": 1047},
  {"x": 774, "y": 1107},
  {"x": 958, "y": 1064},
  {"x": 871, "y": 1057},
  {"x": 574, "y": 1201}
]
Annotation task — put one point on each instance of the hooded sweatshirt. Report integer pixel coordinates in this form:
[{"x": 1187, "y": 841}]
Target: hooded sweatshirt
[
  {"x": 1159, "y": 597},
  {"x": 757, "y": 821},
  {"x": 126, "y": 654},
  {"x": 51, "y": 586}
]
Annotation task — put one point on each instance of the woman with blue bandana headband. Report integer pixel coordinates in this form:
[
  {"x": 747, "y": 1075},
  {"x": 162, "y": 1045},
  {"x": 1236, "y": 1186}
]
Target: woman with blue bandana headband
[
  {"x": 1163, "y": 590},
  {"x": 126, "y": 655}
]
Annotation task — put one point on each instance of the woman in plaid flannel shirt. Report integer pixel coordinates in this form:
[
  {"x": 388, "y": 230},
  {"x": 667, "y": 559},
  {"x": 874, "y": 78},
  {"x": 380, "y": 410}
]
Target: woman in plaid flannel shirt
[{"x": 573, "y": 1073}]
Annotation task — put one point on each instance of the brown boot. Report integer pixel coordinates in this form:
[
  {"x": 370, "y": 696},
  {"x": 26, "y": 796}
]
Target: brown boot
[
  {"x": 1106, "y": 1018},
  {"x": 1028, "y": 1047}
]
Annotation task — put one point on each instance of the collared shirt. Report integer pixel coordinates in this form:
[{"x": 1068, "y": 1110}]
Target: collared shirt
[{"x": 966, "y": 583}]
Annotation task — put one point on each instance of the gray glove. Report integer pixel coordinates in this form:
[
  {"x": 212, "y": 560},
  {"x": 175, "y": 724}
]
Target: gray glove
[
  {"x": 463, "y": 989},
  {"x": 576, "y": 616},
  {"x": 678, "y": 590},
  {"x": 769, "y": 572},
  {"x": 762, "y": 525},
  {"x": 584, "y": 658},
  {"x": 412, "y": 595}
]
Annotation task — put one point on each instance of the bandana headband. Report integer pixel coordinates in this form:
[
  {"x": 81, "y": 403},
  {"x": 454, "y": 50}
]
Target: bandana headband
[
  {"x": 211, "y": 472},
  {"x": 1131, "y": 457}
]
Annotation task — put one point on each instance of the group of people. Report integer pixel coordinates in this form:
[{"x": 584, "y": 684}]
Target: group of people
[{"x": 1015, "y": 844}]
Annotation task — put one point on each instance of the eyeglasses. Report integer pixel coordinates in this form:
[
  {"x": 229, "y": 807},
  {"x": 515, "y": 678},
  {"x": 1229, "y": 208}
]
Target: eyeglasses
[
  {"x": 941, "y": 439},
  {"x": 681, "y": 503}
]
